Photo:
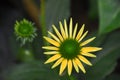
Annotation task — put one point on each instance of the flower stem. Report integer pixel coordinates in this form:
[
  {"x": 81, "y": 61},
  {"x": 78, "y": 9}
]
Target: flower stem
[{"x": 42, "y": 17}]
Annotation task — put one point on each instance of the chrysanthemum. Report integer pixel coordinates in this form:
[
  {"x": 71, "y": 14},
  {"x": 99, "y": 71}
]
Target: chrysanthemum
[{"x": 67, "y": 48}]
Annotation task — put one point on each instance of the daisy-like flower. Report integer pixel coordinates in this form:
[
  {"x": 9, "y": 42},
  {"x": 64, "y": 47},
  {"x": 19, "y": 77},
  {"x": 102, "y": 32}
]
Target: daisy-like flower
[{"x": 67, "y": 48}]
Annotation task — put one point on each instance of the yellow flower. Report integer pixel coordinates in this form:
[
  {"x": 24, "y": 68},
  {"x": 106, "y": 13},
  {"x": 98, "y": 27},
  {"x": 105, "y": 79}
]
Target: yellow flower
[{"x": 67, "y": 48}]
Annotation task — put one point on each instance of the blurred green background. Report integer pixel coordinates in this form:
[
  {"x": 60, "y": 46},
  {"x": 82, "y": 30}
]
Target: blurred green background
[{"x": 101, "y": 17}]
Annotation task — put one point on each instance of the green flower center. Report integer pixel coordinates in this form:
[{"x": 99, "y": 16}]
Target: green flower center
[
  {"x": 69, "y": 48},
  {"x": 25, "y": 29}
]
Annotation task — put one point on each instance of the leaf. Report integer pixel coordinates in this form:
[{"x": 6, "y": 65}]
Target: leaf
[
  {"x": 109, "y": 15},
  {"x": 30, "y": 71},
  {"x": 56, "y": 11},
  {"x": 113, "y": 77},
  {"x": 105, "y": 62}
]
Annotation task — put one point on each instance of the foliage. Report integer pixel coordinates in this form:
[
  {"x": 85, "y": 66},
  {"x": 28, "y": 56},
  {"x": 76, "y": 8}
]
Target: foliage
[
  {"x": 113, "y": 77},
  {"x": 60, "y": 10},
  {"x": 109, "y": 15},
  {"x": 34, "y": 70},
  {"x": 106, "y": 60}
]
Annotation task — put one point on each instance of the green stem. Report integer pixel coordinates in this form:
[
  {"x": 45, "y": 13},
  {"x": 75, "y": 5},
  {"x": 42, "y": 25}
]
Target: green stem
[
  {"x": 26, "y": 53},
  {"x": 42, "y": 17},
  {"x": 43, "y": 20}
]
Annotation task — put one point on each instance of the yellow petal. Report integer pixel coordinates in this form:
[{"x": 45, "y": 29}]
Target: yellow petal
[
  {"x": 75, "y": 66},
  {"x": 70, "y": 28},
  {"x": 66, "y": 30},
  {"x": 90, "y": 49},
  {"x": 75, "y": 30},
  {"x": 62, "y": 30},
  {"x": 63, "y": 66},
  {"x": 87, "y": 41},
  {"x": 53, "y": 58},
  {"x": 57, "y": 32},
  {"x": 88, "y": 54},
  {"x": 57, "y": 63},
  {"x": 83, "y": 36},
  {"x": 51, "y": 52},
  {"x": 54, "y": 37},
  {"x": 80, "y": 32},
  {"x": 77, "y": 61},
  {"x": 50, "y": 48},
  {"x": 69, "y": 67},
  {"x": 83, "y": 59},
  {"x": 51, "y": 41}
]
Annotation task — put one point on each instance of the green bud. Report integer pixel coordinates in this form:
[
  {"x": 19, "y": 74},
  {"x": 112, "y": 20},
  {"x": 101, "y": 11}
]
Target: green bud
[{"x": 25, "y": 31}]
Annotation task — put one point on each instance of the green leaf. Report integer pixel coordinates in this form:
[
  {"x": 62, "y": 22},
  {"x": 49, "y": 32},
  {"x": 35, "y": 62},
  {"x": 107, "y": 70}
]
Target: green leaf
[
  {"x": 113, "y": 77},
  {"x": 106, "y": 59},
  {"x": 35, "y": 70},
  {"x": 109, "y": 15},
  {"x": 56, "y": 11}
]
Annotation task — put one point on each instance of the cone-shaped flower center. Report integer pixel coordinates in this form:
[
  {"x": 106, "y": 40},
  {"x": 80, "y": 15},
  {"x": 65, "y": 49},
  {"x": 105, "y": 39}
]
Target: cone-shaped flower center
[
  {"x": 69, "y": 48},
  {"x": 25, "y": 29}
]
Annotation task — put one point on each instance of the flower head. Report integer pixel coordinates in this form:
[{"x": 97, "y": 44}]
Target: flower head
[
  {"x": 25, "y": 31},
  {"x": 67, "y": 48}
]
